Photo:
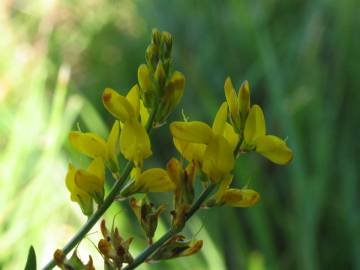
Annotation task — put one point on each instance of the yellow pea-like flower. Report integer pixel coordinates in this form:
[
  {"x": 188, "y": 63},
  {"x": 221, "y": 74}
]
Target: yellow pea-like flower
[
  {"x": 88, "y": 143},
  {"x": 255, "y": 138},
  {"x": 134, "y": 139},
  {"x": 212, "y": 146},
  {"x": 92, "y": 180},
  {"x": 135, "y": 142},
  {"x": 92, "y": 145},
  {"x": 240, "y": 197},
  {"x": 151, "y": 180},
  {"x": 274, "y": 149},
  {"x": 218, "y": 158},
  {"x": 118, "y": 105},
  {"x": 255, "y": 125},
  {"x": 239, "y": 104},
  {"x": 194, "y": 131},
  {"x": 234, "y": 197},
  {"x": 190, "y": 151},
  {"x": 78, "y": 195}
]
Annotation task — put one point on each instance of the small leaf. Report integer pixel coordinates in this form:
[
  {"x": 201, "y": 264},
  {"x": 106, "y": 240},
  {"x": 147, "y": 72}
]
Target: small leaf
[{"x": 31, "y": 260}]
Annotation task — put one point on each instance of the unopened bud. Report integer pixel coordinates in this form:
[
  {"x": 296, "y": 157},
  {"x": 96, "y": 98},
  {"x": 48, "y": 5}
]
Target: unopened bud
[
  {"x": 160, "y": 75},
  {"x": 244, "y": 101},
  {"x": 156, "y": 36},
  {"x": 174, "y": 90},
  {"x": 167, "y": 41},
  {"x": 152, "y": 55}
]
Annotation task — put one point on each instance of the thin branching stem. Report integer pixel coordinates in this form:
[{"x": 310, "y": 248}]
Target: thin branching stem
[
  {"x": 142, "y": 257},
  {"x": 170, "y": 233},
  {"x": 107, "y": 203}
]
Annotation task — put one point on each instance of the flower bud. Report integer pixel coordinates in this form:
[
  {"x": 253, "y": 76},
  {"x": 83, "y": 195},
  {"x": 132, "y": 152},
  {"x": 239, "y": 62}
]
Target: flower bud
[
  {"x": 167, "y": 41},
  {"x": 147, "y": 91},
  {"x": 160, "y": 76},
  {"x": 156, "y": 36},
  {"x": 244, "y": 102},
  {"x": 174, "y": 90},
  {"x": 152, "y": 55}
]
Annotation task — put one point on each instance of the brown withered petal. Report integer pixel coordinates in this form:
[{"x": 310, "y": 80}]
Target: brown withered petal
[{"x": 59, "y": 257}]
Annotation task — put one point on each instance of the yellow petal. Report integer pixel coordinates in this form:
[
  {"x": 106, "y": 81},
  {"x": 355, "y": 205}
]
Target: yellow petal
[
  {"x": 255, "y": 125},
  {"x": 89, "y": 144},
  {"x": 274, "y": 149},
  {"x": 220, "y": 119},
  {"x": 135, "y": 142},
  {"x": 154, "y": 180},
  {"x": 190, "y": 151},
  {"x": 230, "y": 135},
  {"x": 117, "y": 105},
  {"x": 70, "y": 179},
  {"x": 78, "y": 195},
  {"x": 224, "y": 185},
  {"x": 112, "y": 146},
  {"x": 192, "y": 249},
  {"x": 144, "y": 113},
  {"x": 240, "y": 197},
  {"x": 244, "y": 100},
  {"x": 133, "y": 97},
  {"x": 97, "y": 168},
  {"x": 218, "y": 159},
  {"x": 88, "y": 182},
  {"x": 232, "y": 101},
  {"x": 195, "y": 131},
  {"x": 144, "y": 78}
]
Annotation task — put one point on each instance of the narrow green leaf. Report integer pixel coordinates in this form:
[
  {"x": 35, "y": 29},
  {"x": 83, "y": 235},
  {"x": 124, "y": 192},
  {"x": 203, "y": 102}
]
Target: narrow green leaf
[{"x": 31, "y": 259}]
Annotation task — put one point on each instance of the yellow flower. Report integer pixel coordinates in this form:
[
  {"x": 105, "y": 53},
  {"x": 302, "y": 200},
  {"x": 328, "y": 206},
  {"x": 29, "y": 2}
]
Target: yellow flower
[
  {"x": 211, "y": 147},
  {"x": 151, "y": 180},
  {"x": 174, "y": 90},
  {"x": 76, "y": 194},
  {"x": 92, "y": 179},
  {"x": 255, "y": 138},
  {"x": 232, "y": 196},
  {"x": 94, "y": 146},
  {"x": 84, "y": 185},
  {"x": 134, "y": 140},
  {"x": 239, "y": 104}
]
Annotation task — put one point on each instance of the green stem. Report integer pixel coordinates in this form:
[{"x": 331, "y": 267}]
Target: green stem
[
  {"x": 107, "y": 203},
  {"x": 95, "y": 216},
  {"x": 237, "y": 147},
  {"x": 170, "y": 233}
]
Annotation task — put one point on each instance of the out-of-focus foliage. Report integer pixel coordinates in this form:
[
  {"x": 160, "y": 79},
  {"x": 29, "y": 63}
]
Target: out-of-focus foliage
[{"x": 302, "y": 61}]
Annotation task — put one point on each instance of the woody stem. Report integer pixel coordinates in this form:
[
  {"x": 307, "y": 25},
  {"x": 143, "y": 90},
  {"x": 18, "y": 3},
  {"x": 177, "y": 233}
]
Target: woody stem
[{"x": 103, "y": 207}]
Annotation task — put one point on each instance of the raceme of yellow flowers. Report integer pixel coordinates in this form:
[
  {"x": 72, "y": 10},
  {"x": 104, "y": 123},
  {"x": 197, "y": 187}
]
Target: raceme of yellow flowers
[{"x": 207, "y": 151}]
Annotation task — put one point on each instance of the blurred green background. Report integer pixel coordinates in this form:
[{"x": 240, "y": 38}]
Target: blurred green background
[{"x": 302, "y": 59}]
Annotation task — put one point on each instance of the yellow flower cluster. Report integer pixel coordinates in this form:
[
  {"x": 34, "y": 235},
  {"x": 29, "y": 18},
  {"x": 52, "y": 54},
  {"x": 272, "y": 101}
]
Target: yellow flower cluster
[
  {"x": 238, "y": 127},
  {"x": 206, "y": 151}
]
